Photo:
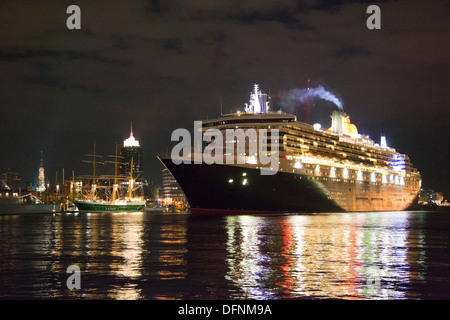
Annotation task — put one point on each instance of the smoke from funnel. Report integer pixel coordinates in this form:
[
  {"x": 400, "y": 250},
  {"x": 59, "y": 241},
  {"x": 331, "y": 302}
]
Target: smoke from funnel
[{"x": 319, "y": 92}]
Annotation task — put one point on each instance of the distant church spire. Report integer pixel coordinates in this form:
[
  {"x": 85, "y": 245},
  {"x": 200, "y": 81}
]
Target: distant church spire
[{"x": 41, "y": 177}]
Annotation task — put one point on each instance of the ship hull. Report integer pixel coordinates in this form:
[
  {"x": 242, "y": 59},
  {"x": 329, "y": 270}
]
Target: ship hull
[
  {"x": 230, "y": 189},
  {"x": 209, "y": 191},
  {"x": 28, "y": 208},
  {"x": 98, "y": 207}
]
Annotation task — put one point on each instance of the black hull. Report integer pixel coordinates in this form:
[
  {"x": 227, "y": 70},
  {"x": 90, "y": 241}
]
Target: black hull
[{"x": 221, "y": 189}]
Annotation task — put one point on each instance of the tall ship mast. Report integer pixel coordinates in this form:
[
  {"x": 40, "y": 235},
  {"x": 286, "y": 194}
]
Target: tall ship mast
[
  {"x": 115, "y": 197},
  {"x": 317, "y": 170}
]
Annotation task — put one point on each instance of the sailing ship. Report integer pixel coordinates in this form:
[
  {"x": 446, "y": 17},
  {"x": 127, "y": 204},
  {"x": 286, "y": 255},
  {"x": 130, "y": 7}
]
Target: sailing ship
[{"x": 121, "y": 196}]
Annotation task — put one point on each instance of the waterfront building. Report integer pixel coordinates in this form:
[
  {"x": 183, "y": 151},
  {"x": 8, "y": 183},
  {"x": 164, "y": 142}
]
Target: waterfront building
[
  {"x": 171, "y": 192},
  {"x": 428, "y": 196}
]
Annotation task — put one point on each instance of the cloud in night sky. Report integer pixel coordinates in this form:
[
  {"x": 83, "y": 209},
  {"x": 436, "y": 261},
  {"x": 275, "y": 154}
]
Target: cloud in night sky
[{"x": 163, "y": 64}]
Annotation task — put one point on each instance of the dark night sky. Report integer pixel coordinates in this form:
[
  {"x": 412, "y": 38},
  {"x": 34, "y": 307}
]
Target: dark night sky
[{"x": 163, "y": 64}]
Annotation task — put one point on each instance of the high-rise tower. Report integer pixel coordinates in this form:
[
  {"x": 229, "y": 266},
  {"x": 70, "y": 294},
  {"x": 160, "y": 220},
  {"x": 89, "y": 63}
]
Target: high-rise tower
[{"x": 132, "y": 156}]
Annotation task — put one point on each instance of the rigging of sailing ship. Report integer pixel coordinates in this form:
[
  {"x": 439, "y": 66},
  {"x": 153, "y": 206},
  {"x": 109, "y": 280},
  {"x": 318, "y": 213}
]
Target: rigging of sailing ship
[{"x": 112, "y": 198}]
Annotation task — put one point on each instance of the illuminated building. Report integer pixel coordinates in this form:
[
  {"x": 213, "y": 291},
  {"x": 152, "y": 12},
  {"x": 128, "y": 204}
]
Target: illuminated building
[
  {"x": 318, "y": 170},
  {"x": 430, "y": 197},
  {"x": 132, "y": 156},
  {"x": 171, "y": 192}
]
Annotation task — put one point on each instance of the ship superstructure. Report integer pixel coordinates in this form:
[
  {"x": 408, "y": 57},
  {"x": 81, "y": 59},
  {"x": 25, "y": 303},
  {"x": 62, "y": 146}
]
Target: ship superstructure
[{"x": 334, "y": 169}]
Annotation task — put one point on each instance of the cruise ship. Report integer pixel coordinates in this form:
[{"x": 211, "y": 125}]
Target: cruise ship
[{"x": 333, "y": 169}]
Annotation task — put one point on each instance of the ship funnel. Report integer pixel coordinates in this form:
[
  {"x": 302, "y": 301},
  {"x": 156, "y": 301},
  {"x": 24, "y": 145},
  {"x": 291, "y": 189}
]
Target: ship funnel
[
  {"x": 336, "y": 121},
  {"x": 340, "y": 124}
]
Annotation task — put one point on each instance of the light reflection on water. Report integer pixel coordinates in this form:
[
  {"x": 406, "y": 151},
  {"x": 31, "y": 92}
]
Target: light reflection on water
[
  {"x": 176, "y": 256},
  {"x": 333, "y": 256}
]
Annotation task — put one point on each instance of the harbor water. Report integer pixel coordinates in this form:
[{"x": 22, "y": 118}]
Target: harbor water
[{"x": 149, "y": 255}]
